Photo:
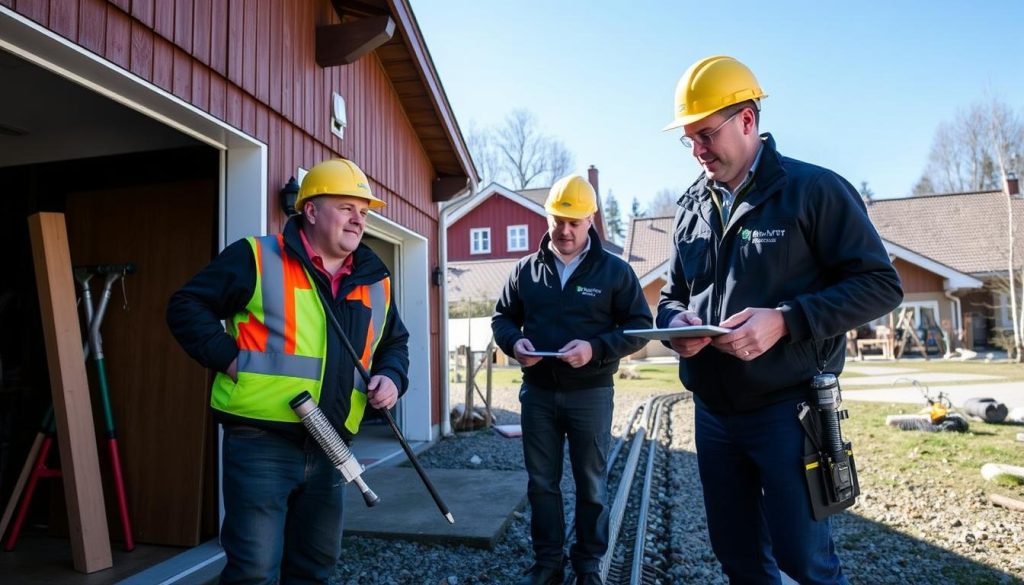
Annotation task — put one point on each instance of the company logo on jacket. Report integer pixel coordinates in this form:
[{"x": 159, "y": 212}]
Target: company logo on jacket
[
  {"x": 765, "y": 236},
  {"x": 588, "y": 291}
]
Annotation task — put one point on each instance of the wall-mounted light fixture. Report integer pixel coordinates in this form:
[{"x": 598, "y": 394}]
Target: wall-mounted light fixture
[
  {"x": 289, "y": 193},
  {"x": 436, "y": 276}
]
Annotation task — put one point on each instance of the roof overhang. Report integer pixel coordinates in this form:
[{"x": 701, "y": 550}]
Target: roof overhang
[
  {"x": 389, "y": 28},
  {"x": 486, "y": 193},
  {"x": 952, "y": 279}
]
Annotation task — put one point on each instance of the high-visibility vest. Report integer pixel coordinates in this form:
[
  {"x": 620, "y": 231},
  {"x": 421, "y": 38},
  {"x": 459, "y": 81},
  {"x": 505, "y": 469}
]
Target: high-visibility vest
[{"x": 282, "y": 339}]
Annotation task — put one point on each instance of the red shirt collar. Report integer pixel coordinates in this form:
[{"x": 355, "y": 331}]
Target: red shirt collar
[{"x": 318, "y": 262}]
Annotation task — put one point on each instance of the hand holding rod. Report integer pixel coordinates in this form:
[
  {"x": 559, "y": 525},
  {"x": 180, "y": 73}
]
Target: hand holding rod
[
  {"x": 337, "y": 451},
  {"x": 387, "y": 415}
]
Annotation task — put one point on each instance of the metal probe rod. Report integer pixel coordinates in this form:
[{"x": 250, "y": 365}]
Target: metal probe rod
[
  {"x": 387, "y": 415},
  {"x": 337, "y": 451}
]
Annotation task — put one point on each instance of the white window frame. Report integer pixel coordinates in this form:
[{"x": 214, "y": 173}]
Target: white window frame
[
  {"x": 917, "y": 306},
  {"x": 477, "y": 237},
  {"x": 525, "y": 237}
]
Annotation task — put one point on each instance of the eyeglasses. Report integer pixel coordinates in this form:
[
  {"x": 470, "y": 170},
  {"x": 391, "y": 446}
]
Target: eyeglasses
[{"x": 706, "y": 137}]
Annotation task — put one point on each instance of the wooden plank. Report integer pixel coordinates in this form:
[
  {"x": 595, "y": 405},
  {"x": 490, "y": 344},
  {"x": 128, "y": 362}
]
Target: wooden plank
[
  {"x": 142, "y": 10},
  {"x": 64, "y": 19},
  {"x": 124, "y": 5},
  {"x": 182, "y": 82},
  {"x": 119, "y": 37},
  {"x": 163, "y": 18},
  {"x": 200, "y": 87},
  {"x": 141, "y": 62},
  {"x": 183, "y": 25},
  {"x": 219, "y": 37},
  {"x": 37, "y": 10},
  {"x": 83, "y": 492},
  {"x": 248, "y": 47},
  {"x": 163, "y": 63},
  {"x": 218, "y": 96},
  {"x": 287, "y": 49},
  {"x": 235, "y": 25},
  {"x": 201, "y": 29},
  {"x": 274, "y": 61},
  {"x": 262, "y": 50},
  {"x": 92, "y": 25}
]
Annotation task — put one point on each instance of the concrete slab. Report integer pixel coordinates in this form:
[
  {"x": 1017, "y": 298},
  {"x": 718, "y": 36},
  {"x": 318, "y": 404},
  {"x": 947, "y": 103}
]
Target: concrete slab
[
  {"x": 1009, "y": 393},
  {"x": 481, "y": 501},
  {"x": 923, "y": 377}
]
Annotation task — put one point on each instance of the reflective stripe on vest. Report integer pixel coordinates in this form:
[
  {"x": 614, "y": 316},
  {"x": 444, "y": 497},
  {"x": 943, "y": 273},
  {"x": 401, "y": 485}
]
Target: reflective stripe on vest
[
  {"x": 281, "y": 337},
  {"x": 377, "y": 297}
]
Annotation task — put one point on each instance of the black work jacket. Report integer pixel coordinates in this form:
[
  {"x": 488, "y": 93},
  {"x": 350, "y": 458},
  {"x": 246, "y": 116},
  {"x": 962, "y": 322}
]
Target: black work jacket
[
  {"x": 601, "y": 298},
  {"x": 798, "y": 240}
]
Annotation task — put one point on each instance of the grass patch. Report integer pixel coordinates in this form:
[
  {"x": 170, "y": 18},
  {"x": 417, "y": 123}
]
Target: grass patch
[{"x": 889, "y": 456}]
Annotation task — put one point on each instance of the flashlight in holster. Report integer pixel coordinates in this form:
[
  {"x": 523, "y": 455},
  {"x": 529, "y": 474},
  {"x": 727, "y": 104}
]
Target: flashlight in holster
[
  {"x": 839, "y": 476},
  {"x": 828, "y": 461},
  {"x": 327, "y": 437}
]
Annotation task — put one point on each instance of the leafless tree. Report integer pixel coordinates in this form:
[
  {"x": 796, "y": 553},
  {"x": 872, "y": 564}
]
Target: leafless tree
[
  {"x": 484, "y": 152},
  {"x": 517, "y": 154},
  {"x": 1006, "y": 132},
  {"x": 664, "y": 204}
]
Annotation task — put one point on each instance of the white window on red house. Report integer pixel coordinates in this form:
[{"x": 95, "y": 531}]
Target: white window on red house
[
  {"x": 480, "y": 241},
  {"x": 518, "y": 238}
]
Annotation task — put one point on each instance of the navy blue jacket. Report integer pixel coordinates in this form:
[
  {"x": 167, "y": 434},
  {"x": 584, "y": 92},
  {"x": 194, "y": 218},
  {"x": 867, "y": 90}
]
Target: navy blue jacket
[
  {"x": 601, "y": 298},
  {"x": 224, "y": 287},
  {"x": 799, "y": 240}
]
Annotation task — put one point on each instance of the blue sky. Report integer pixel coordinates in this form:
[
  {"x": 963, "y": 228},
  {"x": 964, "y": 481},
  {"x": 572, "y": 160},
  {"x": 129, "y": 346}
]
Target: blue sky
[{"x": 859, "y": 87}]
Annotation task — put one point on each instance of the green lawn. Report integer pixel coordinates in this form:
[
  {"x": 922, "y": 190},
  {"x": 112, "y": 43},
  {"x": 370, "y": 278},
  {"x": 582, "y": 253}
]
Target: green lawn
[{"x": 889, "y": 455}]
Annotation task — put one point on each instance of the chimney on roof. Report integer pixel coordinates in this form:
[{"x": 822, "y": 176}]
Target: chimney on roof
[
  {"x": 1012, "y": 184},
  {"x": 598, "y": 217}
]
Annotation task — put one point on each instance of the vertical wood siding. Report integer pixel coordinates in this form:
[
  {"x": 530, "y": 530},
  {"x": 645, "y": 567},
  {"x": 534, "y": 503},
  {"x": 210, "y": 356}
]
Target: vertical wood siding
[
  {"x": 497, "y": 212},
  {"x": 916, "y": 279},
  {"x": 251, "y": 64}
]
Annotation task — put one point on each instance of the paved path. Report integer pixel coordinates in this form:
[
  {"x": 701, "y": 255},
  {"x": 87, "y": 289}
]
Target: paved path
[
  {"x": 922, "y": 377},
  {"x": 1009, "y": 393}
]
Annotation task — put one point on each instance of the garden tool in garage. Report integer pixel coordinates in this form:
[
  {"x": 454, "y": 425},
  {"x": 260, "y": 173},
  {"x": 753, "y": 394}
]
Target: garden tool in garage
[
  {"x": 111, "y": 273},
  {"x": 93, "y": 346}
]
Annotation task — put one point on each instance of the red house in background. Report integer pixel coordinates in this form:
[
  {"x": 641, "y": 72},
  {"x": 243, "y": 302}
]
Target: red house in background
[{"x": 500, "y": 224}]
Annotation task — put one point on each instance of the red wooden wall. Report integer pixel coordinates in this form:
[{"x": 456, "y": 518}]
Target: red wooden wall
[
  {"x": 251, "y": 64},
  {"x": 497, "y": 213},
  {"x": 916, "y": 279}
]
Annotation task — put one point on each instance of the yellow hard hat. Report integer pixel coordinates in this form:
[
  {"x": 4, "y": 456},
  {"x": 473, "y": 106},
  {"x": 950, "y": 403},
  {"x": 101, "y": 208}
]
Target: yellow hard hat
[
  {"x": 571, "y": 197},
  {"x": 336, "y": 177},
  {"x": 710, "y": 85}
]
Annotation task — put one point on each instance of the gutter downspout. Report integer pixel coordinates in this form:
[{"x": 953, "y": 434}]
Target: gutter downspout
[
  {"x": 957, "y": 316},
  {"x": 444, "y": 208}
]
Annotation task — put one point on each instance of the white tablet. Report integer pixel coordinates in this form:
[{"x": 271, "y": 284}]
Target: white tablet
[
  {"x": 672, "y": 332},
  {"x": 542, "y": 353}
]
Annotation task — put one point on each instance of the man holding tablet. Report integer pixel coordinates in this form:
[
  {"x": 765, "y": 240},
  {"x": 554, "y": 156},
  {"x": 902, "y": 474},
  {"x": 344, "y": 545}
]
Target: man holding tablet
[
  {"x": 562, "y": 315},
  {"x": 783, "y": 253}
]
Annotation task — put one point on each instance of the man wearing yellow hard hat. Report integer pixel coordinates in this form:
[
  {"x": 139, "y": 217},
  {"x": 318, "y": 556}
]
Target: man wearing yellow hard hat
[
  {"x": 782, "y": 253},
  {"x": 277, "y": 295},
  {"x": 561, "y": 315}
]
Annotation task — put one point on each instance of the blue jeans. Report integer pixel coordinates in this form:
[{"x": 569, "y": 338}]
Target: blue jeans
[
  {"x": 283, "y": 505},
  {"x": 584, "y": 417},
  {"x": 755, "y": 495}
]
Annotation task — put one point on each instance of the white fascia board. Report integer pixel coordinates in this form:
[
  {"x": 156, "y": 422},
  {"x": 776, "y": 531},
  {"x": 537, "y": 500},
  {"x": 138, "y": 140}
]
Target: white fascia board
[
  {"x": 953, "y": 279},
  {"x": 487, "y": 193}
]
